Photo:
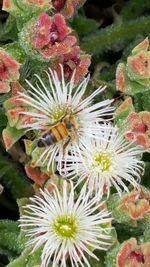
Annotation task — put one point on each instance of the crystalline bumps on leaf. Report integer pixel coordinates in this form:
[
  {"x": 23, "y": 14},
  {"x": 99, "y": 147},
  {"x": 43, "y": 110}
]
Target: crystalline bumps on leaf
[
  {"x": 60, "y": 42},
  {"x": 132, "y": 254},
  {"x": 26, "y": 7},
  {"x": 121, "y": 78},
  {"x": 46, "y": 37}
]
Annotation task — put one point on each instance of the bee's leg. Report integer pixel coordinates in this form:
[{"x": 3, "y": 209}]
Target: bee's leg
[{"x": 65, "y": 145}]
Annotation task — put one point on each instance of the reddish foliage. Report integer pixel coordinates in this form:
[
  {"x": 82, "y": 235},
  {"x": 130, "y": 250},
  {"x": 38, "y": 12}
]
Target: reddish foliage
[
  {"x": 73, "y": 61},
  {"x": 131, "y": 254},
  {"x": 51, "y": 36},
  {"x": 9, "y": 71}
]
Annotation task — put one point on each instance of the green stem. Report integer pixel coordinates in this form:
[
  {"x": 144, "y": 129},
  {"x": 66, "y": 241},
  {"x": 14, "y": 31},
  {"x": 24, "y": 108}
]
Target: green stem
[{"x": 115, "y": 36}]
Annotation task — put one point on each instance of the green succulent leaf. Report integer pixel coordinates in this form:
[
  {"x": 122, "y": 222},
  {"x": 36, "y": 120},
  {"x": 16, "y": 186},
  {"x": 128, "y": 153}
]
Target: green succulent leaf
[{"x": 14, "y": 178}]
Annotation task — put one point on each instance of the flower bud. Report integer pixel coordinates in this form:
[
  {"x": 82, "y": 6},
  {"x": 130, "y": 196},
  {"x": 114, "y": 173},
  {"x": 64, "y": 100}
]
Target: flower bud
[{"x": 46, "y": 37}]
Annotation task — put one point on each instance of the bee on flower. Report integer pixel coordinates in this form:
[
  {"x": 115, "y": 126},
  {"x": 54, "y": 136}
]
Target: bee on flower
[
  {"x": 66, "y": 228},
  {"x": 105, "y": 162},
  {"x": 62, "y": 117}
]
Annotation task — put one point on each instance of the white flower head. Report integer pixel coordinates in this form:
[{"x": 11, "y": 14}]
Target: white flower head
[
  {"x": 65, "y": 227},
  {"x": 105, "y": 162},
  {"x": 58, "y": 102}
]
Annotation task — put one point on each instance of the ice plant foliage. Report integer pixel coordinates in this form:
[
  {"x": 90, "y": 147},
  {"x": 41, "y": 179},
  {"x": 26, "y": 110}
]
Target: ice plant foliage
[
  {"x": 9, "y": 71},
  {"x": 55, "y": 32},
  {"x": 67, "y": 7},
  {"x": 50, "y": 105},
  {"x": 66, "y": 227},
  {"x": 136, "y": 204},
  {"x": 138, "y": 129},
  {"x": 134, "y": 76},
  {"x": 47, "y": 37},
  {"x": 73, "y": 154},
  {"x": 132, "y": 254},
  {"x": 104, "y": 162},
  {"x": 19, "y": 7},
  {"x": 76, "y": 61}
]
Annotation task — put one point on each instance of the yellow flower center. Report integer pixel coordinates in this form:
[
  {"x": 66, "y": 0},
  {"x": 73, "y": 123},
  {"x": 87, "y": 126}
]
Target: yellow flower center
[
  {"x": 58, "y": 113},
  {"x": 103, "y": 161},
  {"x": 66, "y": 226}
]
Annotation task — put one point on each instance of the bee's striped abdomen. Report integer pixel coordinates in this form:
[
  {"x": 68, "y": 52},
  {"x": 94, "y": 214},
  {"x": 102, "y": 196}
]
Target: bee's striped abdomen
[{"x": 56, "y": 133}]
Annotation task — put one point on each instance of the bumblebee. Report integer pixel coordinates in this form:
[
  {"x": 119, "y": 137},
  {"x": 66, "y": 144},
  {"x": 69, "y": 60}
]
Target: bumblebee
[{"x": 65, "y": 128}]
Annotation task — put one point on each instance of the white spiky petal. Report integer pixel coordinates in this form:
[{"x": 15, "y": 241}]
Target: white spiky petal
[
  {"x": 105, "y": 162},
  {"x": 50, "y": 103},
  {"x": 66, "y": 228}
]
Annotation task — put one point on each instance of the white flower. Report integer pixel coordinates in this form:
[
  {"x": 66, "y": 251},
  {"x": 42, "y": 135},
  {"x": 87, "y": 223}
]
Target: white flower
[
  {"x": 105, "y": 162},
  {"x": 66, "y": 228},
  {"x": 51, "y": 104}
]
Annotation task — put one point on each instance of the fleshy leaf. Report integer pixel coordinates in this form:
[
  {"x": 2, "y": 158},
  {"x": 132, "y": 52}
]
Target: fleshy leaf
[{"x": 11, "y": 136}]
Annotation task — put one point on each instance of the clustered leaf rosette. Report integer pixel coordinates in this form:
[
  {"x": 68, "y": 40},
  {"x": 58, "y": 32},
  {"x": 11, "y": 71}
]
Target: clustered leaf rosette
[
  {"x": 67, "y": 7},
  {"x": 129, "y": 254},
  {"x": 66, "y": 227},
  {"x": 134, "y": 76},
  {"x": 136, "y": 125},
  {"x": 18, "y": 8},
  {"x": 76, "y": 60},
  {"x": 132, "y": 209},
  {"x": 103, "y": 162},
  {"x": 9, "y": 71},
  {"x": 46, "y": 37}
]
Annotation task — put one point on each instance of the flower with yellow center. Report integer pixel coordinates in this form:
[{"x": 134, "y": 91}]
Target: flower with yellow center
[
  {"x": 105, "y": 161},
  {"x": 65, "y": 227},
  {"x": 50, "y": 105}
]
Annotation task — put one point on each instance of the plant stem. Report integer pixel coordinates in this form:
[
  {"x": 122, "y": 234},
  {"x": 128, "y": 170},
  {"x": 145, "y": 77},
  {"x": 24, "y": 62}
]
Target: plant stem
[{"x": 115, "y": 37}]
